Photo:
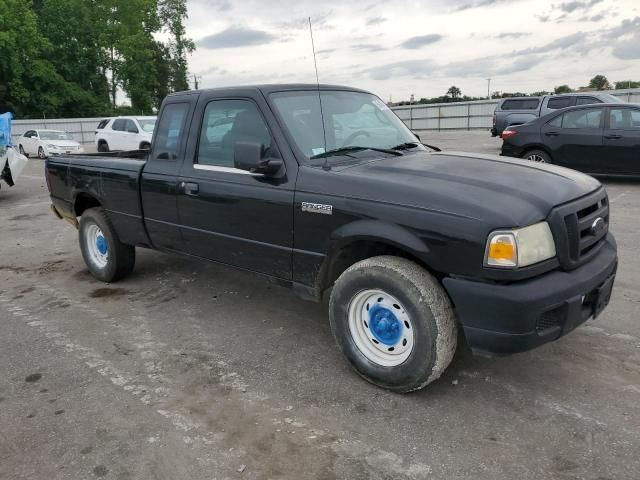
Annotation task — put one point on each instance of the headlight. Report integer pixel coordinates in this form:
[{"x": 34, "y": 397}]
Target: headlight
[
  {"x": 48, "y": 145},
  {"x": 520, "y": 247}
]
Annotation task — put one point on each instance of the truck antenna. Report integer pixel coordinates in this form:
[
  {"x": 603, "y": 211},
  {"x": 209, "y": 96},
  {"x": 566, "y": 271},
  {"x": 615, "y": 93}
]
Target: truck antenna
[{"x": 325, "y": 166}]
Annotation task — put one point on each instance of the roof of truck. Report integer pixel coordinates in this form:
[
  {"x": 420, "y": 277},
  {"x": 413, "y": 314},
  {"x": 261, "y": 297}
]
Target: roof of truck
[{"x": 270, "y": 88}]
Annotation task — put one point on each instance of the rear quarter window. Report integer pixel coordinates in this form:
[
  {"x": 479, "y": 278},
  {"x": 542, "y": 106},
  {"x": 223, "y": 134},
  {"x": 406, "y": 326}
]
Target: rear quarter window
[
  {"x": 102, "y": 124},
  {"x": 520, "y": 104}
]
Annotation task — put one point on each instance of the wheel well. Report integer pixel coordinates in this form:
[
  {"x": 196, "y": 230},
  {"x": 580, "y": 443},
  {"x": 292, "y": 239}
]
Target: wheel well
[
  {"x": 102, "y": 140},
  {"x": 536, "y": 147},
  {"x": 357, "y": 251},
  {"x": 144, "y": 144},
  {"x": 83, "y": 202}
]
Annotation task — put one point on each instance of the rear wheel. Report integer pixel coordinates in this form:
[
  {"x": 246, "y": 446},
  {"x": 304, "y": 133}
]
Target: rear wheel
[
  {"x": 539, "y": 156},
  {"x": 41, "y": 153},
  {"x": 394, "y": 323},
  {"x": 22, "y": 152},
  {"x": 108, "y": 259},
  {"x": 103, "y": 147},
  {"x": 145, "y": 146}
]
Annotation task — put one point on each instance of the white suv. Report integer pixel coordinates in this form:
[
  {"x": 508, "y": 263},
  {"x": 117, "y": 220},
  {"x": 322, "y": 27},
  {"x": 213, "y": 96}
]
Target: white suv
[{"x": 125, "y": 133}]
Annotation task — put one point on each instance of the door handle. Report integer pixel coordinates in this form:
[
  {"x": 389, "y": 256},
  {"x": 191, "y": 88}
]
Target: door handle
[
  {"x": 613, "y": 137},
  {"x": 189, "y": 188},
  {"x": 552, "y": 134}
]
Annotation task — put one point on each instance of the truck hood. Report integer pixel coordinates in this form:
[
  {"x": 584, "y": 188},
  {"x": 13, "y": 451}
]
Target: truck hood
[{"x": 484, "y": 187}]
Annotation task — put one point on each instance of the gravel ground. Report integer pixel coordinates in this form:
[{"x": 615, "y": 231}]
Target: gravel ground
[{"x": 188, "y": 370}]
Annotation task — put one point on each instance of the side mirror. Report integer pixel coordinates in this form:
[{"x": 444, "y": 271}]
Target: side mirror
[
  {"x": 249, "y": 156},
  {"x": 132, "y": 130}
]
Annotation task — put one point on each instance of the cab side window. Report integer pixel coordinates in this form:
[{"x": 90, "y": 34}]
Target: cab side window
[
  {"x": 559, "y": 102},
  {"x": 167, "y": 140},
  {"x": 225, "y": 123},
  {"x": 587, "y": 100}
]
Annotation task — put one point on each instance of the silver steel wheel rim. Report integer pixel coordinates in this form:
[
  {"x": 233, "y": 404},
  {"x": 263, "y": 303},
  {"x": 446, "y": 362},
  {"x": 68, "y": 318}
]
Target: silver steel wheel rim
[
  {"x": 41, "y": 152},
  {"x": 536, "y": 158},
  {"x": 96, "y": 246},
  {"x": 380, "y": 327}
]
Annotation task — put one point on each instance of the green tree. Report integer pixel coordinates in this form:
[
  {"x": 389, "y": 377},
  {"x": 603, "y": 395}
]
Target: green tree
[
  {"x": 599, "y": 82},
  {"x": 562, "y": 89},
  {"x": 454, "y": 92},
  {"x": 172, "y": 14}
]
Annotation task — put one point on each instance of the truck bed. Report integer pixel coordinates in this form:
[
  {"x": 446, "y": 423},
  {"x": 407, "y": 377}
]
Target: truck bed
[{"x": 115, "y": 179}]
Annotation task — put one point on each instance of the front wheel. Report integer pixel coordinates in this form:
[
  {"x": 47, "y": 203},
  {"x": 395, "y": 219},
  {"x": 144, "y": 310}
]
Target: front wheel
[
  {"x": 394, "y": 323},
  {"x": 41, "y": 154},
  {"x": 539, "y": 156},
  {"x": 108, "y": 259}
]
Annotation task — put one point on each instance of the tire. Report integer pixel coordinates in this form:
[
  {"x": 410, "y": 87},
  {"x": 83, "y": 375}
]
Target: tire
[
  {"x": 22, "y": 152},
  {"x": 41, "y": 154},
  {"x": 107, "y": 258},
  {"x": 539, "y": 156},
  {"x": 103, "y": 147},
  {"x": 145, "y": 146},
  {"x": 421, "y": 316}
]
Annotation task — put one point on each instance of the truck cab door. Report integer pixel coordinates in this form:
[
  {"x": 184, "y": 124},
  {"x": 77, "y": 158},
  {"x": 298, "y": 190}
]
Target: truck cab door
[
  {"x": 158, "y": 183},
  {"x": 622, "y": 140},
  {"x": 229, "y": 215}
]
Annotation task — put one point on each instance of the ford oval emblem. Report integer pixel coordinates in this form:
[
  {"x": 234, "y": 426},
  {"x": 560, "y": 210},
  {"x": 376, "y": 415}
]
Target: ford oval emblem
[{"x": 598, "y": 226}]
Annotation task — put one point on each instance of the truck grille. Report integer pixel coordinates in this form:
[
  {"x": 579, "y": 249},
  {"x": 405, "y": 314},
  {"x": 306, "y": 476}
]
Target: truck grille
[{"x": 580, "y": 228}]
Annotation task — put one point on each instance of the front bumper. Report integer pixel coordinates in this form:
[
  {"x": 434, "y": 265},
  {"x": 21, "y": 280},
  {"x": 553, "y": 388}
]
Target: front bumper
[{"x": 509, "y": 318}]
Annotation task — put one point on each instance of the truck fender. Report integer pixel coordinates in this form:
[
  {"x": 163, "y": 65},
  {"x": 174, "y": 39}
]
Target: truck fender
[{"x": 376, "y": 232}]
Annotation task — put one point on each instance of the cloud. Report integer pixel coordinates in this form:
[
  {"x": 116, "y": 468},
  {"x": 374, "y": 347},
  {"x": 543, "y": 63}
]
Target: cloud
[
  {"x": 235, "y": 37},
  {"x": 421, "y": 41},
  {"x": 375, "y": 21},
  {"x": 557, "y": 44},
  {"x": 412, "y": 68},
  {"x": 368, "y": 47},
  {"x": 512, "y": 35},
  {"x": 628, "y": 49},
  {"x": 475, "y": 4},
  {"x": 575, "y": 5}
]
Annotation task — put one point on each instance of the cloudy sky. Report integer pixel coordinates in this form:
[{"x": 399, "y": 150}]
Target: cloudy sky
[{"x": 399, "y": 47}]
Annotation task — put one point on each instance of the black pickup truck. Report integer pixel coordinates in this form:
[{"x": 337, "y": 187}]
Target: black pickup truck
[{"x": 324, "y": 190}]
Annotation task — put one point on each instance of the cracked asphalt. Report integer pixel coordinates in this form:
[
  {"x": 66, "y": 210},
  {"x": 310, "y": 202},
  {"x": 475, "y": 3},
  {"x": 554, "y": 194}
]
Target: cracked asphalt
[{"x": 189, "y": 370}]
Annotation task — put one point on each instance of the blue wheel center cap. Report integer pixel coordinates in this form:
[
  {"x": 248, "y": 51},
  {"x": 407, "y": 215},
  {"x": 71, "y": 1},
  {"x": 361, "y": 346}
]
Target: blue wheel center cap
[
  {"x": 384, "y": 325},
  {"x": 101, "y": 243}
]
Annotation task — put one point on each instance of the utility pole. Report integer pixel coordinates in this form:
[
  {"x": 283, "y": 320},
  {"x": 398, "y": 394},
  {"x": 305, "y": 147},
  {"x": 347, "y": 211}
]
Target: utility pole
[
  {"x": 488, "y": 88},
  {"x": 195, "y": 81}
]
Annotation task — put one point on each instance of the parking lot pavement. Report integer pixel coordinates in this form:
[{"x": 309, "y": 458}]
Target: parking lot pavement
[{"x": 192, "y": 370}]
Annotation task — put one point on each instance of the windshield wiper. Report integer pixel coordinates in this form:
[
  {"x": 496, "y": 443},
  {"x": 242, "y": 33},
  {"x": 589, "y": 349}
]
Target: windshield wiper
[
  {"x": 408, "y": 145},
  {"x": 338, "y": 151}
]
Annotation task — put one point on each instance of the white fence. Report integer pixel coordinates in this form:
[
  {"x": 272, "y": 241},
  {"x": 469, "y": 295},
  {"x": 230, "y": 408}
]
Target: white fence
[
  {"x": 438, "y": 116},
  {"x": 81, "y": 129},
  {"x": 468, "y": 115}
]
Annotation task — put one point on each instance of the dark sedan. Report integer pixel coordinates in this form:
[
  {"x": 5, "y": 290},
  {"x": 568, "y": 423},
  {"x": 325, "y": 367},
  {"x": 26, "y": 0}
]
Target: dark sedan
[{"x": 601, "y": 139}]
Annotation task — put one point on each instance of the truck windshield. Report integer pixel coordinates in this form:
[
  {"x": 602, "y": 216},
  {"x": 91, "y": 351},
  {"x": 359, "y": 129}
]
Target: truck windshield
[
  {"x": 351, "y": 119},
  {"x": 147, "y": 124}
]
